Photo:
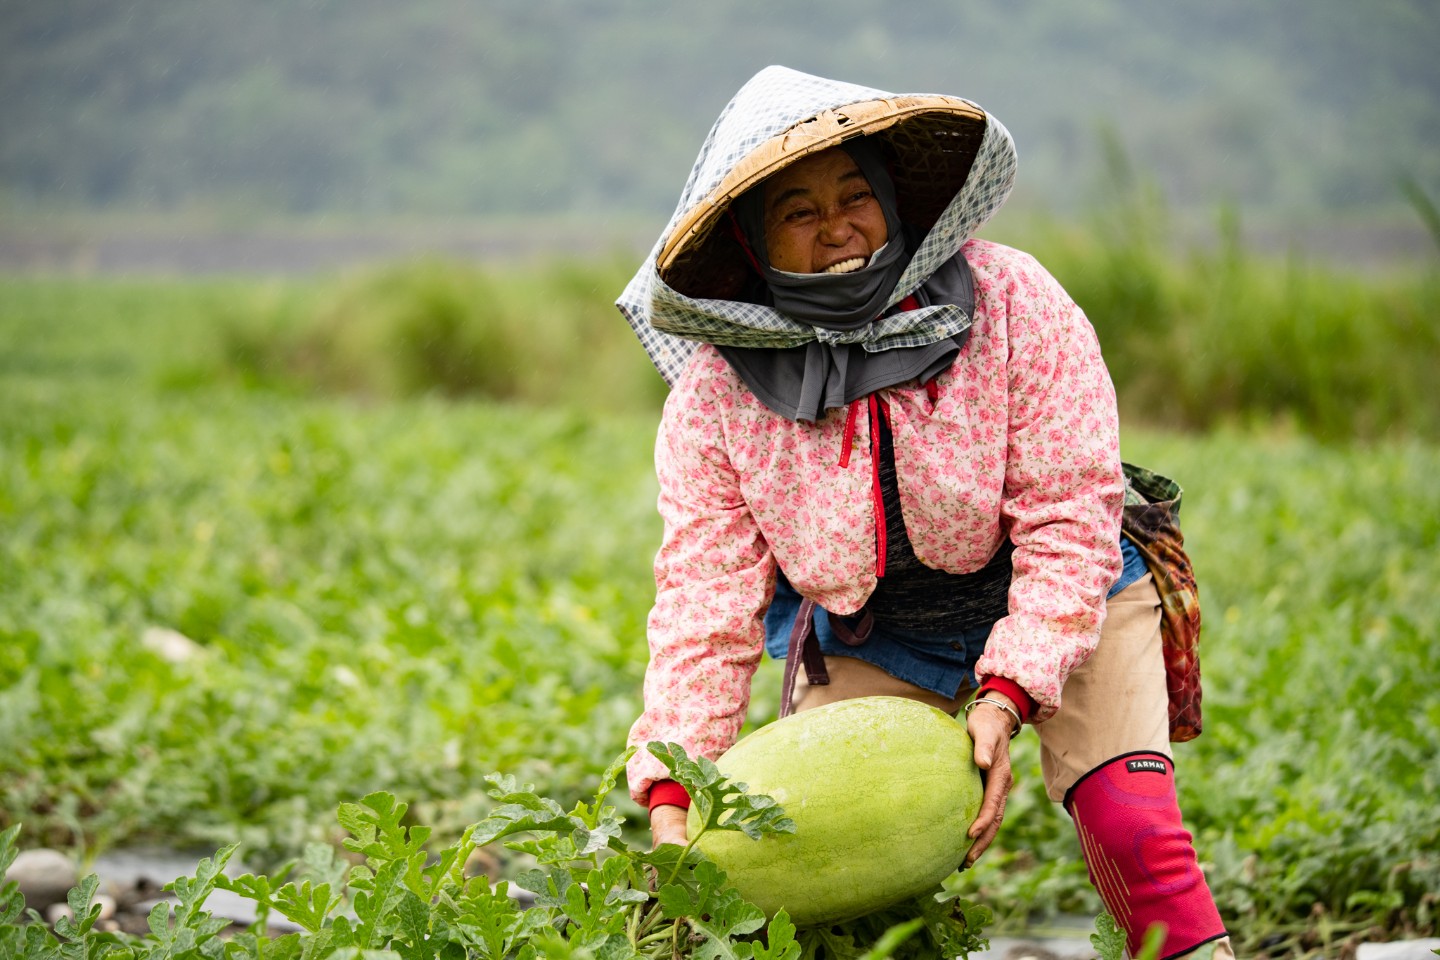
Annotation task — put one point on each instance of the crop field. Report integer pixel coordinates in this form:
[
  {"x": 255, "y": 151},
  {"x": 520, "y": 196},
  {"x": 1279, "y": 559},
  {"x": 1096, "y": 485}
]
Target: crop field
[{"x": 247, "y": 576}]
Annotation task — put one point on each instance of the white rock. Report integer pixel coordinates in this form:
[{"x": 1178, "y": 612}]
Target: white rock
[
  {"x": 171, "y": 645},
  {"x": 44, "y": 876},
  {"x": 1399, "y": 950},
  {"x": 55, "y": 911}
]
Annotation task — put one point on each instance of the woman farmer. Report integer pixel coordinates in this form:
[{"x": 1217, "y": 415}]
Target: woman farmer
[{"x": 891, "y": 450}]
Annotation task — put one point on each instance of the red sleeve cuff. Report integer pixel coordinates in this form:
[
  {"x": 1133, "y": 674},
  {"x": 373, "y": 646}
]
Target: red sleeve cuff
[
  {"x": 664, "y": 792},
  {"x": 1023, "y": 701}
]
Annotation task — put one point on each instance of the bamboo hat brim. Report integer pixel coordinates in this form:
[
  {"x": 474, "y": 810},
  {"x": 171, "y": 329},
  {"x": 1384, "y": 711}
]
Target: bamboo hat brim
[{"x": 931, "y": 139}]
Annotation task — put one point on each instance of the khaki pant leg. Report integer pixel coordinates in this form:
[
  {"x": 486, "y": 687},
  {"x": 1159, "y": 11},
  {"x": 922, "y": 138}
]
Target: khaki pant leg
[
  {"x": 851, "y": 677},
  {"x": 1116, "y": 701}
]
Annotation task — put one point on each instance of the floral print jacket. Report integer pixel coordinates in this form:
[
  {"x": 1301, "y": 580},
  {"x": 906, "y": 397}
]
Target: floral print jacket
[{"x": 1018, "y": 438}]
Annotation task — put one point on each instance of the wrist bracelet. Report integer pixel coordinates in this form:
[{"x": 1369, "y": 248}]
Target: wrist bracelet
[{"x": 996, "y": 703}]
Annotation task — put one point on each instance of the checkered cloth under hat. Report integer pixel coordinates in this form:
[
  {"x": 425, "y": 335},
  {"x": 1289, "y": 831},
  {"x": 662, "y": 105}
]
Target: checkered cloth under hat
[{"x": 953, "y": 167}]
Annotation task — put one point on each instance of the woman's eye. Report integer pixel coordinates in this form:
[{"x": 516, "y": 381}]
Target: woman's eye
[{"x": 861, "y": 196}]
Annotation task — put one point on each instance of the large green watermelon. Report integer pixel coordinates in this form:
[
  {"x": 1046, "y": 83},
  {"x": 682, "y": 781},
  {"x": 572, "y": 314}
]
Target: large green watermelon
[{"x": 881, "y": 789}]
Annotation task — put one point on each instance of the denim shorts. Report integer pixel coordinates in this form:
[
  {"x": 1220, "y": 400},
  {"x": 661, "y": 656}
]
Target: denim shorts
[{"x": 941, "y": 663}]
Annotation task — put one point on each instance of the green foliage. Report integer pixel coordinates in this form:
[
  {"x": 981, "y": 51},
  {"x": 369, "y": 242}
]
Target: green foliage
[
  {"x": 401, "y": 595},
  {"x": 1321, "y": 734},
  {"x": 943, "y": 925},
  {"x": 1212, "y": 339},
  {"x": 543, "y": 335},
  {"x": 593, "y": 896},
  {"x": 1221, "y": 336},
  {"x": 1109, "y": 941},
  {"x": 751, "y": 816},
  {"x": 1425, "y": 207}
]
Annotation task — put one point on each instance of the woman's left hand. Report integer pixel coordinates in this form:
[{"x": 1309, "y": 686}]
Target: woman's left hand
[
  {"x": 669, "y": 824},
  {"x": 990, "y": 729}
]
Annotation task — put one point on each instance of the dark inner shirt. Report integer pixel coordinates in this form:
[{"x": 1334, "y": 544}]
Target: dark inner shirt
[{"x": 914, "y": 597}]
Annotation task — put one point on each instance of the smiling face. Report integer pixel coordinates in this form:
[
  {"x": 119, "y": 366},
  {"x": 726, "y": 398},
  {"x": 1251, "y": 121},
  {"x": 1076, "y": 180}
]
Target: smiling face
[{"x": 821, "y": 216}]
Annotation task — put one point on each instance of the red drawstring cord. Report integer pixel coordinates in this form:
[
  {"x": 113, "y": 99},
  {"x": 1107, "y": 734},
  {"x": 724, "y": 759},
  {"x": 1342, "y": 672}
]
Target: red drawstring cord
[
  {"x": 849, "y": 439},
  {"x": 878, "y": 408}
]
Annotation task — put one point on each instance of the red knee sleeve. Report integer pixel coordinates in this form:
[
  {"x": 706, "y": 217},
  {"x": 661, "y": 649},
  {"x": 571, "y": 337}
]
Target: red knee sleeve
[{"x": 1140, "y": 857}]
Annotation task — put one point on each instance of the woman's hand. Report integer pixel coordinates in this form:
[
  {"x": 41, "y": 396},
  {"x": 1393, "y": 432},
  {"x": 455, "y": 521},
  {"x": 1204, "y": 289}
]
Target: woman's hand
[
  {"x": 668, "y": 825},
  {"x": 990, "y": 729}
]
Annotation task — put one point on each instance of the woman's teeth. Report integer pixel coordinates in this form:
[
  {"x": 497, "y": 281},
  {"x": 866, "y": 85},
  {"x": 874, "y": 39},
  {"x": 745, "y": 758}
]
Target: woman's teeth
[{"x": 846, "y": 266}]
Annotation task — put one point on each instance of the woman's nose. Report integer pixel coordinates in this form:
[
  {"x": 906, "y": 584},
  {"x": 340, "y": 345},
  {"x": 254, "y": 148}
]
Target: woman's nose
[{"x": 835, "y": 228}]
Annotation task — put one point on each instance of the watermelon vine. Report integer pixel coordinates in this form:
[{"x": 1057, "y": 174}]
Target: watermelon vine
[{"x": 595, "y": 897}]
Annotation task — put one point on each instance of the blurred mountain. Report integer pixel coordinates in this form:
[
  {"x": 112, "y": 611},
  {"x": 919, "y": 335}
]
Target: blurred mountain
[{"x": 488, "y": 108}]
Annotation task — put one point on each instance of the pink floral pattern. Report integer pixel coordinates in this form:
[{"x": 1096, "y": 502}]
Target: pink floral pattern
[{"x": 1022, "y": 440}]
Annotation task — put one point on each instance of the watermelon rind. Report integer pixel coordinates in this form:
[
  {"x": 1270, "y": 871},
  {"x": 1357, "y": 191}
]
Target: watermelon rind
[{"x": 882, "y": 791}]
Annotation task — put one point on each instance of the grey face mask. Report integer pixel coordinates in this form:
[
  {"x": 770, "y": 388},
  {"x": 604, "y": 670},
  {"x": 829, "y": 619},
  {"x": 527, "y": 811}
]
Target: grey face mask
[
  {"x": 844, "y": 301},
  {"x": 801, "y": 383}
]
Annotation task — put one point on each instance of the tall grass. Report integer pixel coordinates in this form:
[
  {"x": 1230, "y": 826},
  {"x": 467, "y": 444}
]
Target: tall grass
[
  {"x": 1194, "y": 340},
  {"x": 546, "y": 334},
  {"x": 1221, "y": 335},
  {"x": 1210, "y": 337}
]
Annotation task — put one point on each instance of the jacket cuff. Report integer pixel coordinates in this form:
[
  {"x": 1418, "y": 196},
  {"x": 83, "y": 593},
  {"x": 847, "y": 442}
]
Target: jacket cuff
[
  {"x": 1025, "y": 703},
  {"x": 664, "y": 792}
]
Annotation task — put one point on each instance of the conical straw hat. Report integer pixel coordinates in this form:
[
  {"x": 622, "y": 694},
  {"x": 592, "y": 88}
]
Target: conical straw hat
[{"x": 931, "y": 139}]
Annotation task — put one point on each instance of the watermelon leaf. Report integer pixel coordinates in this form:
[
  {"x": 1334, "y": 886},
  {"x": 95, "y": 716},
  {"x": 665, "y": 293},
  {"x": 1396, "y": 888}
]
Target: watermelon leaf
[
  {"x": 829, "y": 943},
  {"x": 306, "y": 905},
  {"x": 11, "y": 903},
  {"x": 780, "y": 943},
  {"x": 1108, "y": 939},
  {"x": 892, "y": 938},
  {"x": 721, "y": 803}
]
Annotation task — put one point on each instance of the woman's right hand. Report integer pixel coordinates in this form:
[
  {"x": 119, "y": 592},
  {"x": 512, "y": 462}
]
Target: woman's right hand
[
  {"x": 990, "y": 731},
  {"x": 668, "y": 825}
]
